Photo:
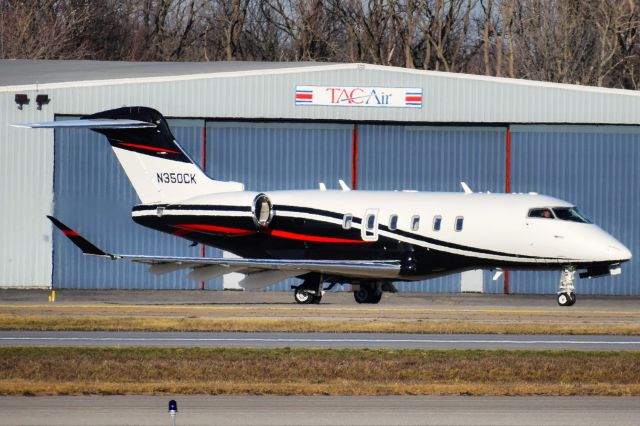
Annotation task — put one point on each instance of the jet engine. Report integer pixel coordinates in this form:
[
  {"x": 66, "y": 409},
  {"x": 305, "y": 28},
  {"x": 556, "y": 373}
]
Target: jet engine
[{"x": 262, "y": 211}]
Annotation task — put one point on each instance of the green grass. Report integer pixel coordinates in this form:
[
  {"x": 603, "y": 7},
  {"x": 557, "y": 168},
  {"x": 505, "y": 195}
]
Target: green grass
[{"x": 63, "y": 370}]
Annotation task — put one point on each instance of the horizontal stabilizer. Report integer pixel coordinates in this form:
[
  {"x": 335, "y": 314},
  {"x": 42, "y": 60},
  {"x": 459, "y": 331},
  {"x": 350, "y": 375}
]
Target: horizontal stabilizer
[
  {"x": 85, "y": 245},
  {"x": 89, "y": 124}
]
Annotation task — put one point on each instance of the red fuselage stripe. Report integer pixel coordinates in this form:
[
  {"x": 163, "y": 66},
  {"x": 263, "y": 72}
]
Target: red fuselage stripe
[
  {"x": 214, "y": 228},
  {"x": 148, "y": 148},
  {"x": 272, "y": 232},
  {"x": 180, "y": 232},
  {"x": 312, "y": 238}
]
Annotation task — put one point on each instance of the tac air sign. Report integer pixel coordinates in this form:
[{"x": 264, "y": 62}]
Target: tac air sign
[{"x": 359, "y": 96}]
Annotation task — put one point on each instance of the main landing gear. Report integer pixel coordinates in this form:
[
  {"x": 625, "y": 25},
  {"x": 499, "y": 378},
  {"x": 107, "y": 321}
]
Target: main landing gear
[
  {"x": 566, "y": 294},
  {"x": 368, "y": 292}
]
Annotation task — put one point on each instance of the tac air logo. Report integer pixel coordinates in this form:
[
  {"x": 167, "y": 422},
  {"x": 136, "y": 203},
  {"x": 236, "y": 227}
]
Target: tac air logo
[{"x": 357, "y": 96}]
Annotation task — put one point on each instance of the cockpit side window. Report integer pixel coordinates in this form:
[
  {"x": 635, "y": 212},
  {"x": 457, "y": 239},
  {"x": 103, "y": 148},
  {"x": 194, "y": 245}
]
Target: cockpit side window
[
  {"x": 541, "y": 213},
  {"x": 570, "y": 214}
]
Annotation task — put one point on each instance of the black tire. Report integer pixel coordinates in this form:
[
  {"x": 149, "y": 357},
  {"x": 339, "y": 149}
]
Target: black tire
[
  {"x": 375, "y": 297},
  {"x": 316, "y": 299},
  {"x": 572, "y": 299},
  {"x": 303, "y": 297},
  {"x": 363, "y": 294},
  {"x": 564, "y": 299}
]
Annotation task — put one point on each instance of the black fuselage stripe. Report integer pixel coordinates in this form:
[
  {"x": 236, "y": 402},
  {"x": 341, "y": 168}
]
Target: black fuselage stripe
[
  {"x": 181, "y": 207},
  {"x": 406, "y": 234},
  {"x": 334, "y": 215}
]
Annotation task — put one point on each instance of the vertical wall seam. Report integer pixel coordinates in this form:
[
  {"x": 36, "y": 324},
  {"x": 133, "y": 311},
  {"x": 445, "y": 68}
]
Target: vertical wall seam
[
  {"x": 203, "y": 162},
  {"x": 354, "y": 156},
  {"x": 507, "y": 189}
]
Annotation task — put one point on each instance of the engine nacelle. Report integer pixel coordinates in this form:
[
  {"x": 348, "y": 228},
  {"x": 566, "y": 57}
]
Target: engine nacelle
[{"x": 262, "y": 211}]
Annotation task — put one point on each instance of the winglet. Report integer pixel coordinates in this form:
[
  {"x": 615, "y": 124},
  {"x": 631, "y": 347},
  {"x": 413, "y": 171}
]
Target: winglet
[{"x": 85, "y": 245}]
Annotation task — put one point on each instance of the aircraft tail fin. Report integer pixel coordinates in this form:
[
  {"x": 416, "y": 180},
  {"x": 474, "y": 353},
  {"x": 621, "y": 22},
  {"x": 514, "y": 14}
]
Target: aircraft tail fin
[{"x": 157, "y": 166}]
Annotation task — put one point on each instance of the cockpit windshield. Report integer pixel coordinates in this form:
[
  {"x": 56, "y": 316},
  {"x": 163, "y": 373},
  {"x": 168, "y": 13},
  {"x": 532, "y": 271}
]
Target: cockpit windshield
[
  {"x": 571, "y": 214},
  {"x": 541, "y": 213}
]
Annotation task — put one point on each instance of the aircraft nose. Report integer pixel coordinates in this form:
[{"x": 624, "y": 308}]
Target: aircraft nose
[{"x": 619, "y": 252}]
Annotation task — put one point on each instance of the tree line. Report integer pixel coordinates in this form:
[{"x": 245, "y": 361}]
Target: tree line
[{"x": 590, "y": 42}]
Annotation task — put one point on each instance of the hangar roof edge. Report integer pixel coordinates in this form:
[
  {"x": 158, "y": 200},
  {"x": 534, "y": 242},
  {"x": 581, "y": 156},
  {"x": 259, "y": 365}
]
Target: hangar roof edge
[{"x": 17, "y": 75}]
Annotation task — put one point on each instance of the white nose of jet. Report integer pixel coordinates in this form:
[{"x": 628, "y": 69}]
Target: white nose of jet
[{"x": 618, "y": 252}]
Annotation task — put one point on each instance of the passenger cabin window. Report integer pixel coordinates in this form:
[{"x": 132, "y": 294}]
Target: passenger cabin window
[
  {"x": 415, "y": 223},
  {"x": 571, "y": 214},
  {"x": 371, "y": 222},
  {"x": 346, "y": 221},
  {"x": 437, "y": 222},
  {"x": 541, "y": 213},
  {"x": 393, "y": 222},
  {"x": 459, "y": 223}
]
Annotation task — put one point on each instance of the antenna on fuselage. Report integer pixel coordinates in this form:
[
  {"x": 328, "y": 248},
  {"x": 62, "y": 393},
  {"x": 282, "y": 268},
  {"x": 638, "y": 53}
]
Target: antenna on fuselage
[
  {"x": 322, "y": 186},
  {"x": 343, "y": 185},
  {"x": 466, "y": 188}
]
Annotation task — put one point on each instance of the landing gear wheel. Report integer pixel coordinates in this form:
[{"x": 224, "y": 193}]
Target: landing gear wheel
[
  {"x": 566, "y": 295},
  {"x": 363, "y": 294},
  {"x": 375, "y": 297},
  {"x": 316, "y": 299},
  {"x": 366, "y": 294},
  {"x": 303, "y": 296},
  {"x": 564, "y": 299}
]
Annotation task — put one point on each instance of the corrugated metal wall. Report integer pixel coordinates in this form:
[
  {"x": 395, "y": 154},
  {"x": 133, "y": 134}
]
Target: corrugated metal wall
[
  {"x": 432, "y": 159},
  {"x": 597, "y": 169},
  {"x": 94, "y": 196},
  {"x": 26, "y": 193},
  {"x": 279, "y": 156}
]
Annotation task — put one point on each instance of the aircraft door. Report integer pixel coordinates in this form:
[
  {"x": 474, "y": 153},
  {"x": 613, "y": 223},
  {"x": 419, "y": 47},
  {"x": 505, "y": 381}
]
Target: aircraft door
[{"x": 369, "y": 226}]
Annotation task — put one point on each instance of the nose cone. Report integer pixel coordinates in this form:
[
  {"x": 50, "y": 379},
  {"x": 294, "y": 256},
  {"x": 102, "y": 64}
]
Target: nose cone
[
  {"x": 603, "y": 247},
  {"x": 618, "y": 252}
]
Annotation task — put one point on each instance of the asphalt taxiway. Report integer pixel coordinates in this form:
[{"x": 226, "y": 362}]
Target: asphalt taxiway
[
  {"x": 319, "y": 340},
  {"x": 319, "y": 410}
]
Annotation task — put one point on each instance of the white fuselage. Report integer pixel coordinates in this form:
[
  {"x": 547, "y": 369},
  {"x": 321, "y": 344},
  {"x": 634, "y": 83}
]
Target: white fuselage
[{"x": 477, "y": 230}]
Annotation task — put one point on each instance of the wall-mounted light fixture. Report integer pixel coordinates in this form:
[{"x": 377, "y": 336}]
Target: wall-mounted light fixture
[
  {"x": 21, "y": 99},
  {"x": 42, "y": 100}
]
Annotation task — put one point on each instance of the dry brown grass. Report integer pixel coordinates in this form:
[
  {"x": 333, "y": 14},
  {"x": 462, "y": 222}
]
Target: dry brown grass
[
  {"x": 69, "y": 322},
  {"x": 40, "y": 371}
]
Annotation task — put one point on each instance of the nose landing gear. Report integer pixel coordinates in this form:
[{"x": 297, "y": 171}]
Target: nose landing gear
[{"x": 566, "y": 294}]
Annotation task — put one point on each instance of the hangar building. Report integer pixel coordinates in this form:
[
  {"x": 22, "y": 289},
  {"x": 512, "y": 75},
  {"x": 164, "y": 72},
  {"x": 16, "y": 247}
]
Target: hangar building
[{"x": 291, "y": 126}]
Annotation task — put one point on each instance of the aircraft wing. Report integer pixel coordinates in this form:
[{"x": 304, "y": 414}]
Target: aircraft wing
[{"x": 260, "y": 272}]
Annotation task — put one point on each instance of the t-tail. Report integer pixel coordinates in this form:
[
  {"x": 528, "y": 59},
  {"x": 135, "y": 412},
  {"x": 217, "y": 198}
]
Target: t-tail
[{"x": 157, "y": 166}]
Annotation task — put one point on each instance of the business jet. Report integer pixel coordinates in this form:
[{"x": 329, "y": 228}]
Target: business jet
[{"x": 368, "y": 239}]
